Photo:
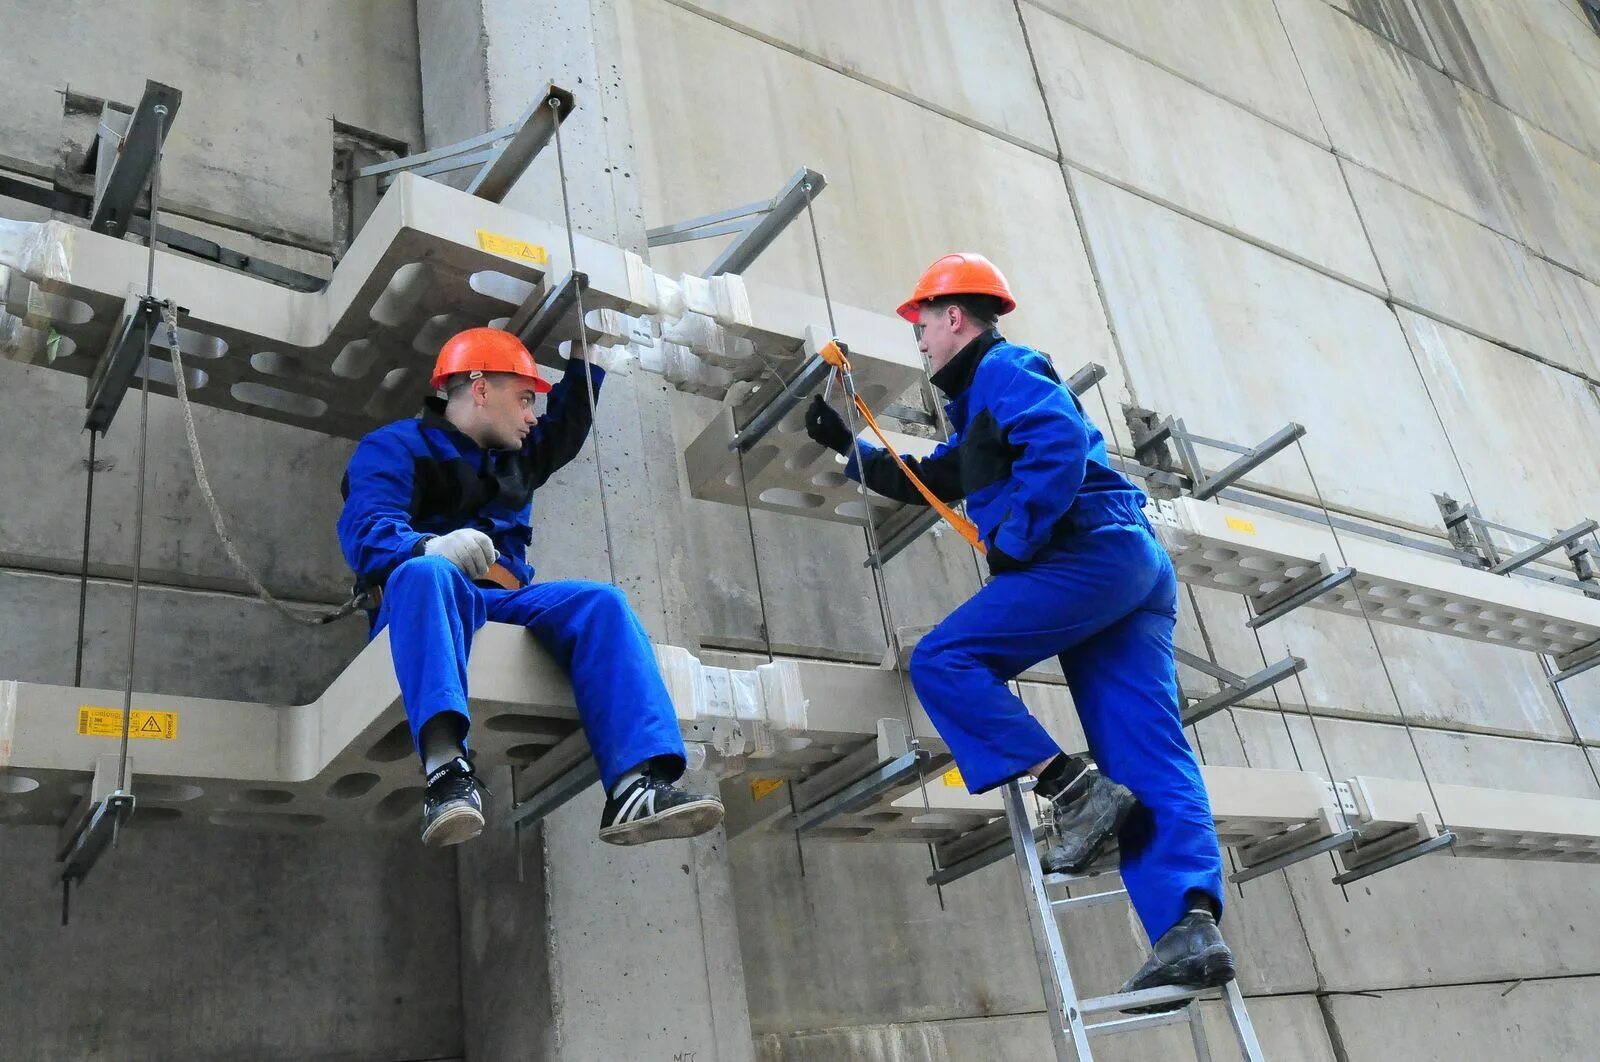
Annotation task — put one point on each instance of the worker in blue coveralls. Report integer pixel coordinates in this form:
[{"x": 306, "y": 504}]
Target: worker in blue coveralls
[
  {"x": 436, "y": 525},
  {"x": 1076, "y": 573}
]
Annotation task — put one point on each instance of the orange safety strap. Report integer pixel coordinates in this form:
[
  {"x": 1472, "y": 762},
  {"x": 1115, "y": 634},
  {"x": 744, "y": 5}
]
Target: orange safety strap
[{"x": 834, "y": 354}]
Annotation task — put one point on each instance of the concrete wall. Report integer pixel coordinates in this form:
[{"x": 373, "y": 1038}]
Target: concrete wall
[
  {"x": 1374, "y": 217},
  {"x": 207, "y": 944},
  {"x": 1367, "y": 217}
]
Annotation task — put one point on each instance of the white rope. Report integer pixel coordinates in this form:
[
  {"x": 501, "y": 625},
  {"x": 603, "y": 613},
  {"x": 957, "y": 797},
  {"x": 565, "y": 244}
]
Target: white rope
[{"x": 248, "y": 574}]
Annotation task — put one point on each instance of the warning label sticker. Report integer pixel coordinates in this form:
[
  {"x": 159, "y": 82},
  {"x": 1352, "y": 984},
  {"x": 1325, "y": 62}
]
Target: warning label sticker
[
  {"x": 511, "y": 247},
  {"x": 1241, "y": 525},
  {"x": 107, "y": 722},
  {"x": 953, "y": 779},
  {"x": 763, "y": 787}
]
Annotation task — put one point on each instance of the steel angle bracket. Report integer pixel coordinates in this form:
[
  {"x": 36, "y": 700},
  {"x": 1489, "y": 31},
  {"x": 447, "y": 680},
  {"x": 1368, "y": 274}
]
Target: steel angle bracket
[
  {"x": 1394, "y": 857},
  {"x": 861, "y": 792},
  {"x": 119, "y": 363},
  {"x": 117, "y": 190},
  {"x": 1301, "y": 591}
]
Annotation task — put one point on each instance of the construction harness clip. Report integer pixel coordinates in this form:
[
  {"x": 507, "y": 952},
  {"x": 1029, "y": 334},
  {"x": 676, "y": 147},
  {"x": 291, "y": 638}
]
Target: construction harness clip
[{"x": 836, "y": 354}]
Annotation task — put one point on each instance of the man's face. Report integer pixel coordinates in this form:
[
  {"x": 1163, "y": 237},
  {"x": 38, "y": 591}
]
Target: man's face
[
  {"x": 937, "y": 330},
  {"x": 505, "y": 411}
]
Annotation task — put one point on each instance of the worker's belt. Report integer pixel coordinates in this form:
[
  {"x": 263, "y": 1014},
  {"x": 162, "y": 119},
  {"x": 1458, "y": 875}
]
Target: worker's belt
[{"x": 498, "y": 575}]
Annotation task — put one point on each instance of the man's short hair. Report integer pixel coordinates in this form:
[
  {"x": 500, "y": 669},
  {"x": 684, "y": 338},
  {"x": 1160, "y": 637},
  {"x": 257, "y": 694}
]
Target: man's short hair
[
  {"x": 454, "y": 385},
  {"x": 984, "y": 309}
]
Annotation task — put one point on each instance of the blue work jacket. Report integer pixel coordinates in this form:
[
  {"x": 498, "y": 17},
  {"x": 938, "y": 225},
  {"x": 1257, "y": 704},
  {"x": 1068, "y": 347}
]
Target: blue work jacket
[
  {"x": 1029, "y": 463},
  {"x": 415, "y": 479}
]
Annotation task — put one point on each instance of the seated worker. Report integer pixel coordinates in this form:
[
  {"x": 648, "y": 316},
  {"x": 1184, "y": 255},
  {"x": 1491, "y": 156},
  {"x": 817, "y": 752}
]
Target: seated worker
[
  {"x": 1076, "y": 573},
  {"x": 436, "y": 524}
]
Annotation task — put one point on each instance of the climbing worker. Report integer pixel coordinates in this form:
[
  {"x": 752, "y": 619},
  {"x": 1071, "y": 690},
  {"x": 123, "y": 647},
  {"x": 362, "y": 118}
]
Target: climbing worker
[
  {"x": 436, "y": 525},
  {"x": 1076, "y": 573}
]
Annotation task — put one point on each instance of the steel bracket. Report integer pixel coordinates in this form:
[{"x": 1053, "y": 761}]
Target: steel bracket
[
  {"x": 1293, "y": 594},
  {"x": 1235, "y": 688},
  {"x": 500, "y": 155},
  {"x": 756, "y": 224},
  {"x": 1156, "y": 438},
  {"x": 126, "y": 156}
]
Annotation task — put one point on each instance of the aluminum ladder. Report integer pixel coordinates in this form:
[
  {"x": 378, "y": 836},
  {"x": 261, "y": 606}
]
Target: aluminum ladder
[{"x": 1070, "y": 1031}]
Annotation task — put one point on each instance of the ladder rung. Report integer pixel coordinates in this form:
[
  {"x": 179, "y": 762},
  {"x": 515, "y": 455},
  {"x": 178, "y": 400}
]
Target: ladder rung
[
  {"x": 1138, "y": 1022},
  {"x": 1144, "y": 998},
  {"x": 1094, "y": 899}
]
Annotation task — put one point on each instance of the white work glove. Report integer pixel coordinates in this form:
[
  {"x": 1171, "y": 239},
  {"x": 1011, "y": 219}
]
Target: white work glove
[
  {"x": 618, "y": 359},
  {"x": 467, "y": 548}
]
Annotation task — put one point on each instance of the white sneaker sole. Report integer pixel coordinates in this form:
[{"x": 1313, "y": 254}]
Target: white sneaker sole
[
  {"x": 687, "y": 820},
  {"x": 453, "y": 827}
]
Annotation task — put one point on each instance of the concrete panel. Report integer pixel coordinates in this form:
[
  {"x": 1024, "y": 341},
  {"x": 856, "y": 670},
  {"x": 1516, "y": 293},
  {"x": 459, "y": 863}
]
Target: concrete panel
[
  {"x": 1436, "y": 907},
  {"x": 1440, "y": 682},
  {"x": 965, "y": 58},
  {"x": 1545, "y": 182},
  {"x": 883, "y": 218},
  {"x": 1522, "y": 431},
  {"x": 1397, "y": 20},
  {"x": 1387, "y": 109},
  {"x": 1470, "y": 1023},
  {"x": 253, "y": 138},
  {"x": 859, "y": 937},
  {"x": 194, "y": 946},
  {"x": 1239, "y": 341},
  {"x": 1134, "y": 123},
  {"x": 1234, "y": 48},
  {"x": 1289, "y": 1027},
  {"x": 1456, "y": 269},
  {"x": 191, "y": 643},
  {"x": 453, "y": 63},
  {"x": 895, "y": 202},
  {"x": 1490, "y": 47},
  {"x": 254, "y": 466}
]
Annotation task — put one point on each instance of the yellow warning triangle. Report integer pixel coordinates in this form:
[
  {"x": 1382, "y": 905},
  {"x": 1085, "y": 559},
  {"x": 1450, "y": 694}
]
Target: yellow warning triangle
[{"x": 151, "y": 725}]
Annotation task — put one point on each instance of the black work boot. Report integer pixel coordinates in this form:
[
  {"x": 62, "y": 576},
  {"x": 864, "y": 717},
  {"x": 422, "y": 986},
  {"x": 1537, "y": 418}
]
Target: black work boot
[
  {"x": 1086, "y": 816},
  {"x": 452, "y": 810},
  {"x": 1190, "y": 954}
]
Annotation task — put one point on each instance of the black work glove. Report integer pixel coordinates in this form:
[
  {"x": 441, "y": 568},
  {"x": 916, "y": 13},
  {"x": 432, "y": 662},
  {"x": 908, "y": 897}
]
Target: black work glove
[
  {"x": 1001, "y": 561},
  {"x": 827, "y": 428}
]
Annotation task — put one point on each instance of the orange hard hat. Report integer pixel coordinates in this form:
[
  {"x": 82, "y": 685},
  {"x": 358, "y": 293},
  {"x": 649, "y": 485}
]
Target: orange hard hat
[
  {"x": 959, "y": 274},
  {"x": 485, "y": 350}
]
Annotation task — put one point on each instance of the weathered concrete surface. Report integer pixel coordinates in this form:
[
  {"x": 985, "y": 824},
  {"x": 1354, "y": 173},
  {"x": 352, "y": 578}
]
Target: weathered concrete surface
[
  {"x": 957, "y": 57},
  {"x": 1234, "y": 48},
  {"x": 898, "y": 200},
  {"x": 254, "y": 137},
  {"x": 1440, "y": 682},
  {"x": 200, "y": 945},
  {"x": 1470, "y": 1023},
  {"x": 1238, "y": 342},
  {"x": 1387, "y": 109},
  {"x": 656, "y": 921},
  {"x": 895, "y": 208},
  {"x": 1532, "y": 456},
  {"x": 1438, "y": 905},
  {"x": 254, "y": 466},
  {"x": 1289, "y": 1027},
  {"x": 1541, "y": 78},
  {"x": 1475, "y": 278},
  {"x": 452, "y": 55},
  {"x": 191, "y": 643},
  {"x": 1138, "y": 125}
]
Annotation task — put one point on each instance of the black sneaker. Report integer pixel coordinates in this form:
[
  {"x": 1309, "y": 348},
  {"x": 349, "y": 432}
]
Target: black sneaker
[
  {"x": 1190, "y": 954},
  {"x": 653, "y": 810},
  {"x": 1086, "y": 816},
  {"x": 452, "y": 810}
]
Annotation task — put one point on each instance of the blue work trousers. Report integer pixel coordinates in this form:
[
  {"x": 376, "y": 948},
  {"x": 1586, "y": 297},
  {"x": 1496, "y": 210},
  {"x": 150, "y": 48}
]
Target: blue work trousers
[
  {"x": 432, "y": 611},
  {"x": 1104, "y": 601}
]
